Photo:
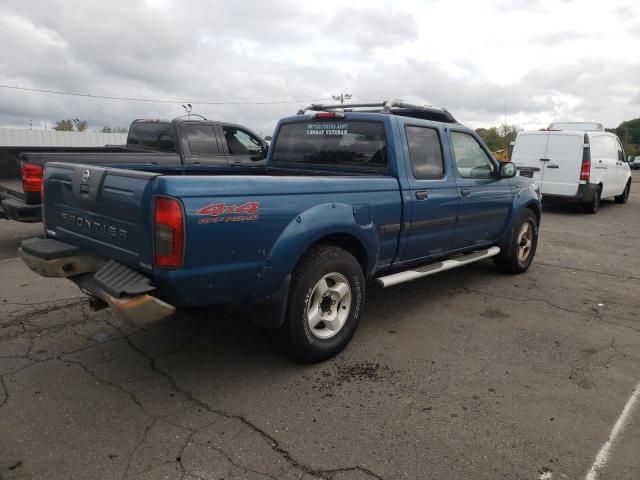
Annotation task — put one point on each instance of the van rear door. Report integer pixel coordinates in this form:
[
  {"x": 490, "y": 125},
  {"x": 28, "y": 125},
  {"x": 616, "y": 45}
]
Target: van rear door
[
  {"x": 563, "y": 160},
  {"x": 528, "y": 154}
]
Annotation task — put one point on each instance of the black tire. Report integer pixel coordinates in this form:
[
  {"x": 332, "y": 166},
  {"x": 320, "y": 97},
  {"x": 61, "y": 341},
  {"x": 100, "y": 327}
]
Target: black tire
[
  {"x": 509, "y": 260},
  {"x": 594, "y": 205},
  {"x": 295, "y": 335},
  {"x": 624, "y": 196}
]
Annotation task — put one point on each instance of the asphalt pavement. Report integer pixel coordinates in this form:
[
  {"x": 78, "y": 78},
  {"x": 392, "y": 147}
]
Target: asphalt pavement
[{"x": 469, "y": 374}]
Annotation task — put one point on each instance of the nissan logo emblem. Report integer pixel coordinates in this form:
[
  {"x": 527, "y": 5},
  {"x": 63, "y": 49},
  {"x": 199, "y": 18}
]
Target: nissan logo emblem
[{"x": 85, "y": 176}]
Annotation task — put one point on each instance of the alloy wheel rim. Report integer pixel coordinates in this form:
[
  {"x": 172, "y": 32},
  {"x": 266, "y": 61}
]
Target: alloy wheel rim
[
  {"x": 525, "y": 241},
  {"x": 329, "y": 305}
]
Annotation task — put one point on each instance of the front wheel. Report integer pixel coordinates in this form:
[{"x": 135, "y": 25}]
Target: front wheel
[
  {"x": 624, "y": 196},
  {"x": 518, "y": 254},
  {"x": 325, "y": 302}
]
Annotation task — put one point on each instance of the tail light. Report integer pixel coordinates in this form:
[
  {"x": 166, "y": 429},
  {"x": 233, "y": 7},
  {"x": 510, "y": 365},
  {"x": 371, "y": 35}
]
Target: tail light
[
  {"x": 585, "y": 169},
  {"x": 168, "y": 232},
  {"x": 322, "y": 115},
  {"x": 31, "y": 178}
]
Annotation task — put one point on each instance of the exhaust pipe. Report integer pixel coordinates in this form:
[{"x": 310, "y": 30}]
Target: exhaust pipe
[{"x": 96, "y": 304}]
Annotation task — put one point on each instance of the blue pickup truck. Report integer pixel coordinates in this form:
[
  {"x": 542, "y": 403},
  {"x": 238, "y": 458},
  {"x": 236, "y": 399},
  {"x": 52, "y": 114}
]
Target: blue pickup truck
[{"x": 352, "y": 196}]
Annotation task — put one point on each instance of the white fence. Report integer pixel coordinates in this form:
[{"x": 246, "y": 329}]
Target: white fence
[{"x": 23, "y": 137}]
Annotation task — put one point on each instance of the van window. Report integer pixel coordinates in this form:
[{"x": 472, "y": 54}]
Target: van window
[
  {"x": 620, "y": 150},
  {"x": 340, "y": 143},
  {"x": 471, "y": 159},
  {"x": 565, "y": 147},
  {"x": 603, "y": 146},
  {"x": 425, "y": 152}
]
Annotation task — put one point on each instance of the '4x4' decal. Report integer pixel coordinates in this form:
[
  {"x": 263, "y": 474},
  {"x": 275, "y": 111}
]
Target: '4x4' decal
[{"x": 222, "y": 212}]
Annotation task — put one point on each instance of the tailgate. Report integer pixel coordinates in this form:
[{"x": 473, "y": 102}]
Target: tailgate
[{"x": 105, "y": 211}]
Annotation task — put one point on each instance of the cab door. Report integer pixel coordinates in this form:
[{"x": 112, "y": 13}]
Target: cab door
[
  {"x": 485, "y": 200},
  {"x": 201, "y": 145},
  {"x": 434, "y": 198},
  {"x": 242, "y": 147}
]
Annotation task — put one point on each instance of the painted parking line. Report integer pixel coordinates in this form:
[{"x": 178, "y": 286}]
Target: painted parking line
[{"x": 605, "y": 451}]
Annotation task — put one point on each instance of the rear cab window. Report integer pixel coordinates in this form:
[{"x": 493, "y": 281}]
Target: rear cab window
[
  {"x": 339, "y": 143},
  {"x": 149, "y": 135}
]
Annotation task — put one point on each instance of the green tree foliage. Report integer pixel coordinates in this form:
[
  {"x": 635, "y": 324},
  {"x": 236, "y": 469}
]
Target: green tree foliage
[
  {"x": 497, "y": 138},
  {"x": 81, "y": 125},
  {"x": 67, "y": 125},
  {"x": 629, "y": 134},
  {"x": 64, "y": 126},
  {"x": 107, "y": 129}
]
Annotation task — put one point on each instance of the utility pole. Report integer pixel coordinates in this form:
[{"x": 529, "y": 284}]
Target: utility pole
[{"x": 342, "y": 97}]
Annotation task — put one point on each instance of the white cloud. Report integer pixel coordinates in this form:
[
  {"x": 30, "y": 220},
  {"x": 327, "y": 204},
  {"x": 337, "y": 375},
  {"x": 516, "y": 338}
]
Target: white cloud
[{"x": 549, "y": 59}]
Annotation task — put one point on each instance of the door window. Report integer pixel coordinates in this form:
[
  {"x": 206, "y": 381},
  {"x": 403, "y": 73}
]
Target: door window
[
  {"x": 425, "y": 152},
  {"x": 240, "y": 142},
  {"x": 604, "y": 147},
  {"x": 471, "y": 159},
  {"x": 200, "y": 139},
  {"x": 620, "y": 151}
]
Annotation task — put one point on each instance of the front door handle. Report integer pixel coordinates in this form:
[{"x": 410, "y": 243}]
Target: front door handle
[
  {"x": 422, "y": 195},
  {"x": 465, "y": 192},
  {"x": 545, "y": 159}
]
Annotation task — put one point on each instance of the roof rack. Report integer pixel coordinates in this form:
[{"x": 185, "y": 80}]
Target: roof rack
[{"x": 390, "y": 107}]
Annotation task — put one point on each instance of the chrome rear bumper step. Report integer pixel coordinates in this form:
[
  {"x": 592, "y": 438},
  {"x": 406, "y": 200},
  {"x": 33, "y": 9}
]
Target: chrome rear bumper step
[{"x": 419, "y": 272}]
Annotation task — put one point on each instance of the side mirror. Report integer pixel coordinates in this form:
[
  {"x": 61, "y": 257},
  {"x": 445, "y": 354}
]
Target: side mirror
[
  {"x": 507, "y": 170},
  {"x": 264, "y": 150}
]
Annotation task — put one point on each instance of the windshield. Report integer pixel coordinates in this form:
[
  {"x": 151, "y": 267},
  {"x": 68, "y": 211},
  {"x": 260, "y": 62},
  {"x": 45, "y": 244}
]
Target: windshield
[
  {"x": 336, "y": 143},
  {"x": 151, "y": 136}
]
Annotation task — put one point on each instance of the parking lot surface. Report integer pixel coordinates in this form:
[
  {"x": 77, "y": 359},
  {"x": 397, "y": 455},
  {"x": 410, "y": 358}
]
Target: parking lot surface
[{"x": 469, "y": 374}]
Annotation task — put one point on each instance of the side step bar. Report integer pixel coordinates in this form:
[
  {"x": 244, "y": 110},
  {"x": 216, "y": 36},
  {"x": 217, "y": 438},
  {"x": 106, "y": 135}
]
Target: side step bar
[{"x": 419, "y": 272}]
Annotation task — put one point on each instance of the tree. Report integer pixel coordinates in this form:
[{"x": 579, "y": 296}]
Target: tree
[
  {"x": 81, "y": 125},
  {"x": 67, "y": 125},
  {"x": 497, "y": 138},
  {"x": 64, "y": 126},
  {"x": 108, "y": 129}
]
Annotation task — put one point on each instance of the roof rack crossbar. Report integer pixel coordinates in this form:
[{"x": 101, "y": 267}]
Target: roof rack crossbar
[{"x": 387, "y": 107}]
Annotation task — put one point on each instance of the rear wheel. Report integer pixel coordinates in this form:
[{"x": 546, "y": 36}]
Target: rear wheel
[
  {"x": 624, "y": 196},
  {"x": 325, "y": 301},
  {"x": 594, "y": 205},
  {"x": 518, "y": 254}
]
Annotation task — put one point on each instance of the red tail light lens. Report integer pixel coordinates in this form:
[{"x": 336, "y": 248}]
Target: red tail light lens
[
  {"x": 169, "y": 232},
  {"x": 31, "y": 178},
  {"x": 328, "y": 115},
  {"x": 585, "y": 171}
]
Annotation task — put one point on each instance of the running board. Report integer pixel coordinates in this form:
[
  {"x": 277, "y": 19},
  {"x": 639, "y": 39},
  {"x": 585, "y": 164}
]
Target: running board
[{"x": 408, "y": 275}]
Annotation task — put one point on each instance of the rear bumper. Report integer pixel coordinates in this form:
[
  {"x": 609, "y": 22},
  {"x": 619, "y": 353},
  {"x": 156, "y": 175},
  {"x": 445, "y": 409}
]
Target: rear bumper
[
  {"x": 108, "y": 281},
  {"x": 12, "y": 208},
  {"x": 585, "y": 194}
]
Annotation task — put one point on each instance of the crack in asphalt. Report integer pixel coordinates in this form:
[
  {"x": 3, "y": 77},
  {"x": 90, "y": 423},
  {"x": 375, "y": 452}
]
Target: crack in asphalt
[
  {"x": 269, "y": 439},
  {"x": 597, "y": 315},
  {"x": 586, "y": 270}
]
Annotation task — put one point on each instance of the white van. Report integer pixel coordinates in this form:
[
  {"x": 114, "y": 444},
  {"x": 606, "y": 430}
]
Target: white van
[{"x": 576, "y": 166}]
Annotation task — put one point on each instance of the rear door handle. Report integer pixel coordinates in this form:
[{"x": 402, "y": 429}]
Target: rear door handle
[
  {"x": 552, "y": 166},
  {"x": 465, "y": 192},
  {"x": 422, "y": 195}
]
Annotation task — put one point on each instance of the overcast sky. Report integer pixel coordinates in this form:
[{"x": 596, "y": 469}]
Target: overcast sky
[{"x": 551, "y": 60}]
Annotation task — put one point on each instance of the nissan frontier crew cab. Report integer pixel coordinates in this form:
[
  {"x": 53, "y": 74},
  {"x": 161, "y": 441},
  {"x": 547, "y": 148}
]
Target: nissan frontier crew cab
[{"x": 352, "y": 196}]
